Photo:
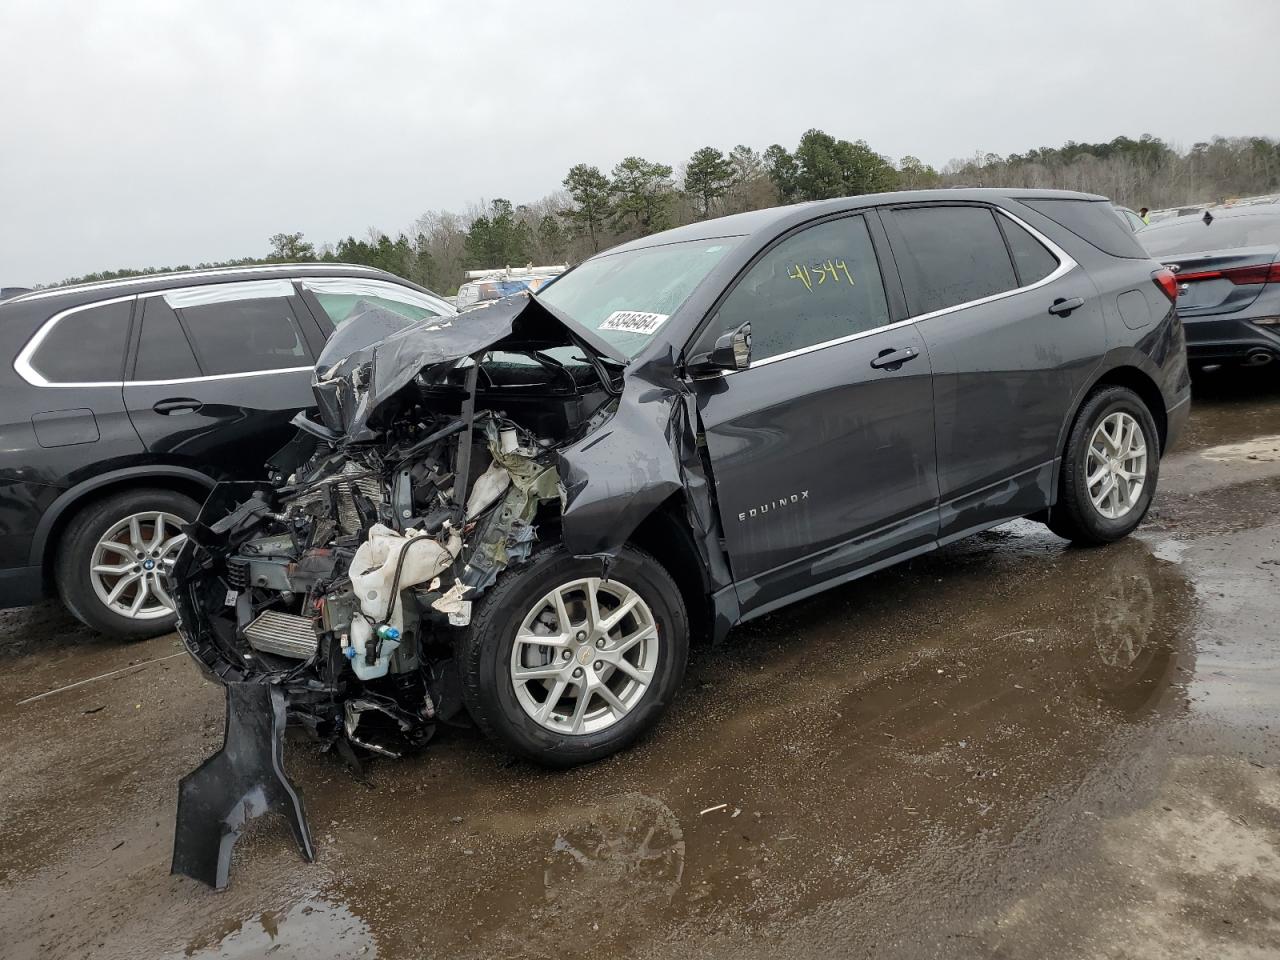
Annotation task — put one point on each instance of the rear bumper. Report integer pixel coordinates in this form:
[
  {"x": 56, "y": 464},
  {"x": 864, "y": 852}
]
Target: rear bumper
[
  {"x": 1229, "y": 339},
  {"x": 20, "y": 586}
]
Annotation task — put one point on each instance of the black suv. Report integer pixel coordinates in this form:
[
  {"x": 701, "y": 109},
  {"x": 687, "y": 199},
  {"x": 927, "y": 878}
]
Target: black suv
[{"x": 123, "y": 402}]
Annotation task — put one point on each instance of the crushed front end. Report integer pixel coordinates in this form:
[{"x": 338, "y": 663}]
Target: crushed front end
[{"x": 326, "y": 598}]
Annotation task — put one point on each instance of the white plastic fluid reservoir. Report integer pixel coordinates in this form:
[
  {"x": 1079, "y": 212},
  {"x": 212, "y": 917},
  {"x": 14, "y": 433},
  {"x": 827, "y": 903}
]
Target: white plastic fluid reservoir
[
  {"x": 508, "y": 440},
  {"x": 372, "y": 571}
]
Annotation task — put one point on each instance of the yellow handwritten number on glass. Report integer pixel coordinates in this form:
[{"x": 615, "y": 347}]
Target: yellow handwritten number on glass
[
  {"x": 801, "y": 273},
  {"x": 822, "y": 271}
]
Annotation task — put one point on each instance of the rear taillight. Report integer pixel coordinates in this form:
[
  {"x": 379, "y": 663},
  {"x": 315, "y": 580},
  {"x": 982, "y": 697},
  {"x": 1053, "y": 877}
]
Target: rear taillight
[
  {"x": 1263, "y": 273},
  {"x": 1167, "y": 282}
]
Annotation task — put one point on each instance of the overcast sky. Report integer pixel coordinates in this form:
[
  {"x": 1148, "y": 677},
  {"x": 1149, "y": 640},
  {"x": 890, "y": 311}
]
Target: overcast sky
[{"x": 145, "y": 134}]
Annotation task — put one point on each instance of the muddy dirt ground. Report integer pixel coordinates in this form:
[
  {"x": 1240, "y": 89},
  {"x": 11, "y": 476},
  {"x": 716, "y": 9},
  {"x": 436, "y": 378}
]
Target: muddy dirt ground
[{"x": 1010, "y": 748}]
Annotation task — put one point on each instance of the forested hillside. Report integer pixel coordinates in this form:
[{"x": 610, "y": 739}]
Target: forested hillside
[{"x": 593, "y": 208}]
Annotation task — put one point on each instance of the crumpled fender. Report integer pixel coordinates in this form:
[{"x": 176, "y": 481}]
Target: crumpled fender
[{"x": 619, "y": 474}]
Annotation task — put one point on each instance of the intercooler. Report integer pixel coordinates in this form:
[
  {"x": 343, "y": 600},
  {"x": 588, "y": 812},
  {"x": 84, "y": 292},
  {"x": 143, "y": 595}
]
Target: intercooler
[{"x": 283, "y": 634}]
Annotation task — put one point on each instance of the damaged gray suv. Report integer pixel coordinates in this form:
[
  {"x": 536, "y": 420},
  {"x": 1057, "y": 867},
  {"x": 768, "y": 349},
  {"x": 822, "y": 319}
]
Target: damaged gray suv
[{"x": 521, "y": 514}]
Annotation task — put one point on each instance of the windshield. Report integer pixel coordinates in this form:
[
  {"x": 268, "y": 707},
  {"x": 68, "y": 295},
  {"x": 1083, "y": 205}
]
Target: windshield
[
  {"x": 626, "y": 297},
  {"x": 1192, "y": 235}
]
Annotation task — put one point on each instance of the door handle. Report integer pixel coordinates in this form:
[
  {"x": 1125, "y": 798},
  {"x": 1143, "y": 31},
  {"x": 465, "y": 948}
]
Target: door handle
[
  {"x": 176, "y": 405},
  {"x": 892, "y": 359},
  {"x": 1063, "y": 308}
]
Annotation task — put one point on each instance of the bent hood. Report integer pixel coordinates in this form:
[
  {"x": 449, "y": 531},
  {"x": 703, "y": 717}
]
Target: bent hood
[{"x": 350, "y": 385}]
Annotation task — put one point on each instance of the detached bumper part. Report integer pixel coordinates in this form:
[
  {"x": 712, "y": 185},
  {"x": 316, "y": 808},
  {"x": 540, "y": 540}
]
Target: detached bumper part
[{"x": 243, "y": 780}]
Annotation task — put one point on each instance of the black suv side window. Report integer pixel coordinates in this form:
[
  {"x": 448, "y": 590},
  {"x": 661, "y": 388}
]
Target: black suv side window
[
  {"x": 820, "y": 284},
  {"x": 241, "y": 327},
  {"x": 953, "y": 255},
  {"x": 1030, "y": 258},
  {"x": 85, "y": 345},
  {"x": 163, "y": 350}
]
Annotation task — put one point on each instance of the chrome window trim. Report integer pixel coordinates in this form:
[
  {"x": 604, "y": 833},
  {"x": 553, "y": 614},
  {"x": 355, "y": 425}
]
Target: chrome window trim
[
  {"x": 23, "y": 366},
  {"x": 1065, "y": 265},
  {"x": 22, "y": 362},
  {"x": 188, "y": 275},
  {"x": 213, "y": 376},
  {"x": 822, "y": 346}
]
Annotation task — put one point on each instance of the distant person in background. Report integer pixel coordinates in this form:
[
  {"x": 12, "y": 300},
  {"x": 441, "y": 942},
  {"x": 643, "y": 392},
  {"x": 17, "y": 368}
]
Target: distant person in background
[{"x": 1142, "y": 212}]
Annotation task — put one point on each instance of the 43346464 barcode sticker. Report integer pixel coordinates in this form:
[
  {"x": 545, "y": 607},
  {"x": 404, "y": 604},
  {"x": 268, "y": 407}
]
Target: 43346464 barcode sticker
[{"x": 633, "y": 321}]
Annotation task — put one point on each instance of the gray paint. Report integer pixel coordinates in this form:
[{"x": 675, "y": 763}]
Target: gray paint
[{"x": 825, "y": 468}]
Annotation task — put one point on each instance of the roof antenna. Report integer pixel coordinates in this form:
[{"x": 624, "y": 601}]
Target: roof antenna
[{"x": 1207, "y": 218}]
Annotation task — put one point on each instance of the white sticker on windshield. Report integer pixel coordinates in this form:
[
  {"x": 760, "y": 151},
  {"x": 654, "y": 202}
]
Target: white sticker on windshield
[{"x": 633, "y": 321}]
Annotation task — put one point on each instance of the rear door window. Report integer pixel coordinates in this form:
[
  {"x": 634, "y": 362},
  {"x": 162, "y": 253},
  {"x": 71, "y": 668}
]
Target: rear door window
[
  {"x": 164, "y": 352},
  {"x": 241, "y": 327},
  {"x": 1031, "y": 258},
  {"x": 818, "y": 285},
  {"x": 952, "y": 255},
  {"x": 85, "y": 345}
]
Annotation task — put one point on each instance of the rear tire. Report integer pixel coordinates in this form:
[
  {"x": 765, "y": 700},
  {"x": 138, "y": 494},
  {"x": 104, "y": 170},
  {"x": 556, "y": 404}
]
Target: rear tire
[
  {"x": 539, "y": 718},
  {"x": 90, "y": 541},
  {"x": 1103, "y": 447}
]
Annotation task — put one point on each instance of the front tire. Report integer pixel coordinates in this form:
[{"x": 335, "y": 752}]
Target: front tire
[
  {"x": 1109, "y": 470},
  {"x": 564, "y": 667},
  {"x": 113, "y": 559}
]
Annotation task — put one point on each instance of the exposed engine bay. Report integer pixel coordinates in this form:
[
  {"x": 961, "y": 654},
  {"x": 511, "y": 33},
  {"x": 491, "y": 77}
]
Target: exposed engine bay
[
  {"x": 330, "y": 597},
  {"x": 343, "y": 574}
]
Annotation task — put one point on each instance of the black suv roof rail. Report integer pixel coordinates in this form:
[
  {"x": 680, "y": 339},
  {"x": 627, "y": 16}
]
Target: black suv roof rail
[{"x": 189, "y": 275}]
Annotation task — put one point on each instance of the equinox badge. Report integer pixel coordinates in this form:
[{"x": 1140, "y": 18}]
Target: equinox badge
[{"x": 773, "y": 505}]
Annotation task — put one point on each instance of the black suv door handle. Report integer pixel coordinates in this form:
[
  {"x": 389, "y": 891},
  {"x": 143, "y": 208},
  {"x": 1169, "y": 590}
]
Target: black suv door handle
[
  {"x": 892, "y": 359},
  {"x": 176, "y": 405},
  {"x": 1063, "y": 308}
]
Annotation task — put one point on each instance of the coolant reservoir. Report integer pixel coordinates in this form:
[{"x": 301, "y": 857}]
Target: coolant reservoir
[{"x": 372, "y": 571}]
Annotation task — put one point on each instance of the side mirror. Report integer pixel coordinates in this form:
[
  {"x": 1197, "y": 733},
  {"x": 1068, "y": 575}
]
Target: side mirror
[{"x": 731, "y": 352}]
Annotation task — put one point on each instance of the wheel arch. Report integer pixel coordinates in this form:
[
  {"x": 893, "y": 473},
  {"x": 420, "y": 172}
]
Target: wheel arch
[
  {"x": 71, "y": 502},
  {"x": 665, "y": 534},
  {"x": 1140, "y": 383},
  {"x": 1119, "y": 375}
]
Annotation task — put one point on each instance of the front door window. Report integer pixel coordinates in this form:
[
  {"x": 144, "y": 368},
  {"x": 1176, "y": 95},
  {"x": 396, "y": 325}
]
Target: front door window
[{"x": 817, "y": 286}]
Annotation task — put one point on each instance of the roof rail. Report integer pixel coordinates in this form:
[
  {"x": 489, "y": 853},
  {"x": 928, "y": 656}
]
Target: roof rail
[{"x": 188, "y": 275}]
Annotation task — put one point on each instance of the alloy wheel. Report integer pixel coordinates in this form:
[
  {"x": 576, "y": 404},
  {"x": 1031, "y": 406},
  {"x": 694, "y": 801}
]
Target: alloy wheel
[
  {"x": 584, "y": 656},
  {"x": 1116, "y": 465},
  {"x": 131, "y": 563}
]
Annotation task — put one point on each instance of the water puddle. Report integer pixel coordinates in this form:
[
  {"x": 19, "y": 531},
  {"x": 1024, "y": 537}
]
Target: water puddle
[{"x": 312, "y": 929}]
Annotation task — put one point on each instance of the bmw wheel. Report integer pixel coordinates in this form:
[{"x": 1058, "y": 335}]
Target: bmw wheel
[{"x": 114, "y": 559}]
